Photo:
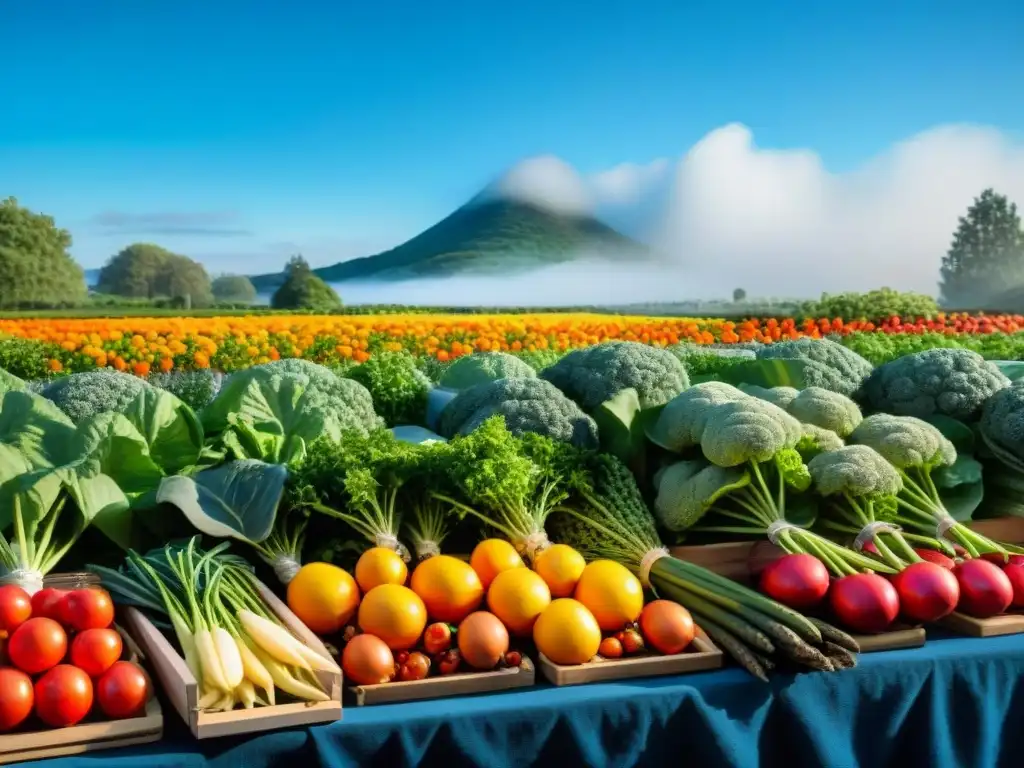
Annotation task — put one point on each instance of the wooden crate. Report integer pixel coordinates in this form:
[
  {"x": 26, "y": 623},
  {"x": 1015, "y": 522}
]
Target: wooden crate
[
  {"x": 896, "y": 638},
  {"x": 1009, "y": 530},
  {"x": 705, "y": 656},
  {"x": 182, "y": 690},
  {"x": 1005, "y": 624},
  {"x": 735, "y": 560},
  {"x": 462, "y": 684}
]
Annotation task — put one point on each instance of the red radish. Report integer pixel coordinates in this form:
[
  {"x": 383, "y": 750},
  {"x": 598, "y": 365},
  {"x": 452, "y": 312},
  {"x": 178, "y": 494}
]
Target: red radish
[
  {"x": 934, "y": 556},
  {"x": 865, "y": 602},
  {"x": 984, "y": 589},
  {"x": 927, "y": 591},
  {"x": 998, "y": 559},
  {"x": 1015, "y": 573},
  {"x": 870, "y": 548},
  {"x": 799, "y": 581}
]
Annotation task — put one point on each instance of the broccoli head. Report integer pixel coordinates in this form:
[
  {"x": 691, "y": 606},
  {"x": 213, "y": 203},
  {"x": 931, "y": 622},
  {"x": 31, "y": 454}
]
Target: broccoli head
[
  {"x": 904, "y": 441},
  {"x": 688, "y": 489},
  {"x": 748, "y": 430},
  {"x": 594, "y": 375},
  {"x": 1002, "y": 425},
  {"x": 947, "y": 381},
  {"x": 527, "y": 405},
  {"x": 780, "y": 396},
  {"x": 681, "y": 422},
  {"x": 195, "y": 388},
  {"x": 483, "y": 367},
  {"x": 815, "y": 440},
  {"x": 829, "y": 365},
  {"x": 856, "y": 470},
  {"x": 82, "y": 395},
  {"x": 826, "y": 409}
]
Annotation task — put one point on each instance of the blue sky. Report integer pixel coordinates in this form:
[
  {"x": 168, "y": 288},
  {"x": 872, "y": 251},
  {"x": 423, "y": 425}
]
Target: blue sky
[{"x": 241, "y": 132}]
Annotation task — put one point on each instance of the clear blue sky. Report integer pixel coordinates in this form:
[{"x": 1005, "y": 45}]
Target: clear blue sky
[{"x": 238, "y": 132}]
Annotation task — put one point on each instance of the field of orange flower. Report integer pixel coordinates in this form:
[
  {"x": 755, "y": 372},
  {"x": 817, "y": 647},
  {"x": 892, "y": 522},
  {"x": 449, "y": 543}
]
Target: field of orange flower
[{"x": 144, "y": 345}]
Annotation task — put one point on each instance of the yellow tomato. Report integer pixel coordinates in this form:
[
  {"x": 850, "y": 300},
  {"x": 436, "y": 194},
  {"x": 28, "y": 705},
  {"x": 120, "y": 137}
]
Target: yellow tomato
[
  {"x": 448, "y": 586},
  {"x": 612, "y": 593},
  {"x": 492, "y": 556},
  {"x": 380, "y": 565},
  {"x": 323, "y": 596},
  {"x": 561, "y": 567},
  {"x": 395, "y": 614},
  {"x": 567, "y": 633},
  {"x": 517, "y": 597}
]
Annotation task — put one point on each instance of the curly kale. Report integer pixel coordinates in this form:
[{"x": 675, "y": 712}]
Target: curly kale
[
  {"x": 527, "y": 405},
  {"x": 828, "y": 365},
  {"x": 594, "y": 375},
  {"x": 949, "y": 382},
  {"x": 826, "y": 409},
  {"x": 484, "y": 367},
  {"x": 398, "y": 388},
  {"x": 82, "y": 395}
]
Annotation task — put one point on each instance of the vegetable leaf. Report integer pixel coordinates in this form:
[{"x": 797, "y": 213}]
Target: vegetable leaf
[{"x": 171, "y": 429}]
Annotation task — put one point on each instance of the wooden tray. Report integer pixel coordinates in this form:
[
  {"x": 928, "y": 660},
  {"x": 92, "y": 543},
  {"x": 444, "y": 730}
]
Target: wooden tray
[
  {"x": 705, "y": 657},
  {"x": 462, "y": 684},
  {"x": 1009, "y": 530},
  {"x": 89, "y": 737},
  {"x": 1006, "y": 624},
  {"x": 895, "y": 638},
  {"x": 183, "y": 691},
  {"x": 735, "y": 560}
]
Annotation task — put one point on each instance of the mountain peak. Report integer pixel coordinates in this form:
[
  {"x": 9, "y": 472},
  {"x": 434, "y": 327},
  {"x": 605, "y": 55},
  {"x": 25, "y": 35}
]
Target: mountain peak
[{"x": 545, "y": 182}]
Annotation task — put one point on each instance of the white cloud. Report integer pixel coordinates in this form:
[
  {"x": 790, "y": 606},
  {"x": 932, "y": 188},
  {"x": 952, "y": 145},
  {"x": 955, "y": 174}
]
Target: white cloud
[
  {"x": 778, "y": 222},
  {"x": 545, "y": 180}
]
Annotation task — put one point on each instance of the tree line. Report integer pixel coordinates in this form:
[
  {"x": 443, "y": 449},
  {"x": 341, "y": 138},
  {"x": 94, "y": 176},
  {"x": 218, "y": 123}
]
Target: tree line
[{"x": 983, "y": 268}]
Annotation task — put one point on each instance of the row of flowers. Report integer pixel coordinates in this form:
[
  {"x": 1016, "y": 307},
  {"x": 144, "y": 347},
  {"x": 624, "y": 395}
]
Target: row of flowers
[{"x": 144, "y": 345}]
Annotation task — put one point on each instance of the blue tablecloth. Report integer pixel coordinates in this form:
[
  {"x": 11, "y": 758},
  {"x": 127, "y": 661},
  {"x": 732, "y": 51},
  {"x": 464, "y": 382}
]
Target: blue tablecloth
[{"x": 956, "y": 703}]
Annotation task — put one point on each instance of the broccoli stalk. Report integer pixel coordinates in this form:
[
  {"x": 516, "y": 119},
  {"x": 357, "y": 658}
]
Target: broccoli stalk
[
  {"x": 509, "y": 484},
  {"x": 915, "y": 449},
  {"x": 752, "y": 464},
  {"x": 861, "y": 489}
]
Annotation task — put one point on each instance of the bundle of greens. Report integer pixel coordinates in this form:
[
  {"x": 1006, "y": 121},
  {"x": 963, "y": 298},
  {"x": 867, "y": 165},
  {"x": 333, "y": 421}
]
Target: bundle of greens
[
  {"x": 751, "y": 474},
  {"x": 606, "y": 517}
]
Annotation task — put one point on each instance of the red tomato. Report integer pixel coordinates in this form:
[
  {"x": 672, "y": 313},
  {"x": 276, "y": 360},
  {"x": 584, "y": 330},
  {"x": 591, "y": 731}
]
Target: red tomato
[
  {"x": 16, "y": 698},
  {"x": 37, "y": 645},
  {"x": 15, "y": 607},
  {"x": 96, "y": 650},
  {"x": 123, "y": 690},
  {"x": 85, "y": 609},
  {"x": 63, "y": 696},
  {"x": 47, "y": 602}
]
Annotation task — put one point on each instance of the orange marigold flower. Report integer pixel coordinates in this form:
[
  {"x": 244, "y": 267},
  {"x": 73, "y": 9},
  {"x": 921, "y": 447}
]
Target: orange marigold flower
[
  {"x": 55, "y": 365},
  {"x": 141, "y": 368}
]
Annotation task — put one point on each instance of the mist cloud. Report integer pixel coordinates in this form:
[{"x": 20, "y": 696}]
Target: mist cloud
[{"x": 778, "y": 222}]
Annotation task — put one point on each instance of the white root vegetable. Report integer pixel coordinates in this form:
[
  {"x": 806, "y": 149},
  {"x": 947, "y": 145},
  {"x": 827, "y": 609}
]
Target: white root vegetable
[
  {"x": 275, "y": 640},
  {"x": 209, "y": 661},
  {"x": 254, "y": 670},
  {"x": 230, "y": 658},
  {"x": 318, "y": 661},
  {"x": 289, "y": 683}
]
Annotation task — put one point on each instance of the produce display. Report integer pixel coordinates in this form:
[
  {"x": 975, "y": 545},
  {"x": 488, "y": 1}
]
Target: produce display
[
  {"x": 61, "y": 661},
  {"x": 530, "y": 517}
]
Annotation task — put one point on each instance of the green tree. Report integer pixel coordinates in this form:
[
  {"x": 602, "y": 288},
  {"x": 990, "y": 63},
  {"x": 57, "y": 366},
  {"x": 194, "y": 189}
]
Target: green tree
[
  {"x": 146, "y": 271},
  {"x": 36, "y": 269},
  {"x": 739, "y": 295},
  {"x": 302, "y": 289},
  {"x": 234, "y": 289},
  {"x": 987, "y": 254}
]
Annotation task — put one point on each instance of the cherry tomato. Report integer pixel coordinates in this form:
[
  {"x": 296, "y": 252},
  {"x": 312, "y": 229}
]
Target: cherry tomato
[
  {"x": 37, "y": 645},
  {"x": 15, "y": 607},
  {"x": 610, "y": 648},
  {"x": 123, "y": 690},
  {"x": 631, "y": 640},
  {"x": 513, "y": 659},
  {"x": 16, "y": 698},
  {"x": 46, "y": 603},
  {"x": 63, "y": 696},
  {"x": 416, "y": 667},
  {"x": 84, "y": 609},
  {"x": 96, "y": 650},
  {"x": 437, "y": 638},
  {"x": 449, "y": 661}
]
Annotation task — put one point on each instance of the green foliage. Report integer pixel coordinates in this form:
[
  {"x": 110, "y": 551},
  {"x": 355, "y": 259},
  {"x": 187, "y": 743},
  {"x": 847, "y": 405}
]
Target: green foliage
[
  {"x": 302, "y": 289},
  {"x": 233, "y": 289},
  {"x": 484, "y": 367},
  {"x": 949, "y": 382},
  {"x": 987, "y": 254},
  {"x": 27, "y": 359},
  {"x": 397, "y": 386},
  {"x": 147, "y": 271},
  {"x": 525, "y": 405},
  {"x": 594, "y": 375},
  {"x": 35, "y": 268},
  {"x": 873, "y": 306}
]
